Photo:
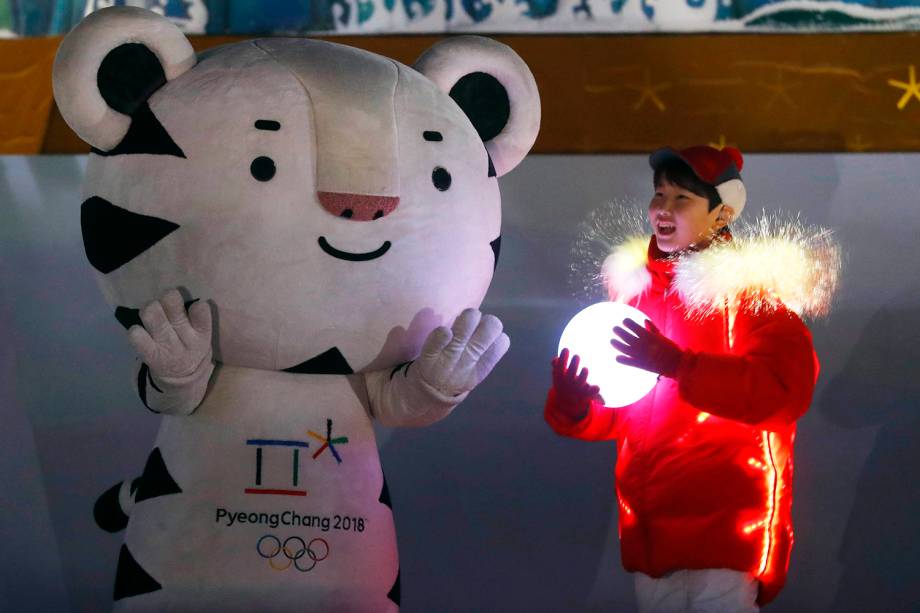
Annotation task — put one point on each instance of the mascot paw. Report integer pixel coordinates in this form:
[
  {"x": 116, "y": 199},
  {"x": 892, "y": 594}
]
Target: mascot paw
[
  {"x": 173, "y": 342},
  {"x": 455, "y": 360}
]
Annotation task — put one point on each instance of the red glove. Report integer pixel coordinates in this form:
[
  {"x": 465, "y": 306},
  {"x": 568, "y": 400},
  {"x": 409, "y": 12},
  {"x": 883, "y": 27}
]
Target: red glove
[
  {"x": 573, "y": 392},
  {"x": 647, "y": 348}
]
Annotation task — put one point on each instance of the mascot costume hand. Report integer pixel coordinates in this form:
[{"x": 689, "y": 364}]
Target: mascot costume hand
[
  {"x": 297, "y": 235},
  {"x": 175, "y": 346}
]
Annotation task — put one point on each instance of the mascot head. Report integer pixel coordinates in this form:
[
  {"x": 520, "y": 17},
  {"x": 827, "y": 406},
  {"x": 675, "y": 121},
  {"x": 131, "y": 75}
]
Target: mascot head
[{"x": 333, "y": 205}]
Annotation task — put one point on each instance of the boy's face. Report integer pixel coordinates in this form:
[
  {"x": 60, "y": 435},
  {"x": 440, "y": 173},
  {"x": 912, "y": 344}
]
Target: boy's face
[{"x": 681, "y": 218}]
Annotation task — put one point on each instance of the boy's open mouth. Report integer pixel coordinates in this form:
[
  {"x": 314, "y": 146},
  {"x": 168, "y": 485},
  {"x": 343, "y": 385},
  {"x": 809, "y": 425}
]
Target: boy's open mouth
[{"x": 665, "y": 228}]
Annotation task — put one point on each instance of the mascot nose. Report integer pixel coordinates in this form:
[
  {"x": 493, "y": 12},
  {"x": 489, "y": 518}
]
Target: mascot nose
[{"x": 358, "y": 207}]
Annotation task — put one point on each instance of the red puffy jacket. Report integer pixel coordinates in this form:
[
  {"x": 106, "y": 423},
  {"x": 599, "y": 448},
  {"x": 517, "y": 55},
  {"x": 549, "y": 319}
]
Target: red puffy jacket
[{"x": 704, "y": 468}]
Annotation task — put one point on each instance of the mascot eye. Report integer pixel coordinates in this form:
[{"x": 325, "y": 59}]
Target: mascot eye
[
  {"x": 441, "y": 178},
  {"x": 263, "y": 168}
]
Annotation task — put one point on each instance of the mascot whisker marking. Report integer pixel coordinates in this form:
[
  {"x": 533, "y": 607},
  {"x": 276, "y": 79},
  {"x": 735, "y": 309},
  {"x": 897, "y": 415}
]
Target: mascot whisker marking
[{"x": 194, "y": 142}]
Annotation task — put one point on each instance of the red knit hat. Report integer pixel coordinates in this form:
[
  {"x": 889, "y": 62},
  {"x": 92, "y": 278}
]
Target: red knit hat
[{"x": 720, "y": 168}]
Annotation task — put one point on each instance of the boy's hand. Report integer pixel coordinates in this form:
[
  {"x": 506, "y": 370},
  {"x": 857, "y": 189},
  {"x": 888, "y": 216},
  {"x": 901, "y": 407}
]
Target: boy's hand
[
  {"x": 573, "y": 392},
  {"x": 647, "y": 348}
]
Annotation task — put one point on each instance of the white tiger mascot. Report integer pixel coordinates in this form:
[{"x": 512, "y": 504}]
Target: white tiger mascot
[{"x": 296, "y": 235}]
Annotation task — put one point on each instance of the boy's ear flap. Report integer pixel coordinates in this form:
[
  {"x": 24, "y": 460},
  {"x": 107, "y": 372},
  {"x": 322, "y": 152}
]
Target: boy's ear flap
[
  {"x": 108, "y": 67},
  {"x": 494, "y": 88}
]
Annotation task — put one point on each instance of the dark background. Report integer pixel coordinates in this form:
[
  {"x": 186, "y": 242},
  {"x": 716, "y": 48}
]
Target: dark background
[{"x": 494, "y": 512}]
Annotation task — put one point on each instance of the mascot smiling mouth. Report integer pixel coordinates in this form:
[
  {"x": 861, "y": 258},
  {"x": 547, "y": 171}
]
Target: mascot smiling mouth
[{"x": 353, "y": 257}]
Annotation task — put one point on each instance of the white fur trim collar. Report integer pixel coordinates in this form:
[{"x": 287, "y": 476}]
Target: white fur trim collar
[
  {"x": 767, "y": 261},
  {"x": 624, "y": 272}
]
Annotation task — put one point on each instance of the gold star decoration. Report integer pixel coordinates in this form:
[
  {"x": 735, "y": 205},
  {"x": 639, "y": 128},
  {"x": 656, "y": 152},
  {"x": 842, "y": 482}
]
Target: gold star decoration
[
  {"x": 780, "y": 90},
  {"x": 649, "y": 92},
  {"x": 857, "y": 144},
  {"x": 911, "y": 88},
  {"x": 721, "y": 143}
]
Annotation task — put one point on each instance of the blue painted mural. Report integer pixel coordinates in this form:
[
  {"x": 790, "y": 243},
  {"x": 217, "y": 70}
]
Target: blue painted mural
[{"x": 278, "y": 17}]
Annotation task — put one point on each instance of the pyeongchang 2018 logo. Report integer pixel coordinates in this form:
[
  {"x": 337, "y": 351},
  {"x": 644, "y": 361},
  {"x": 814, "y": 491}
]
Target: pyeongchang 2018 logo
[
  {"x": 293, "y": 551},
  {"x": 278, "y": 475}
]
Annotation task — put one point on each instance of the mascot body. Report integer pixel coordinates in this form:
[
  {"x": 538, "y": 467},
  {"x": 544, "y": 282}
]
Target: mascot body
[{"x": 296, "y": 235}]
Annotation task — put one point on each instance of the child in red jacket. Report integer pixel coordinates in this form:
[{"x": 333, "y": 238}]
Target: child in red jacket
[{"x": 704, "y": 468}]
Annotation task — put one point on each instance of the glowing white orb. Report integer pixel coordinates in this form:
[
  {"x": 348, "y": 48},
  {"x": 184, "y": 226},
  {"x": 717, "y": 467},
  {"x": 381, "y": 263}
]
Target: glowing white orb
[{"x": 588, "y": 335}]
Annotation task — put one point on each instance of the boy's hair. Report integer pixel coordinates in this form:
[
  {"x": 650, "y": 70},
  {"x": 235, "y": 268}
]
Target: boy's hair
[{"x": 676, "y": 171}]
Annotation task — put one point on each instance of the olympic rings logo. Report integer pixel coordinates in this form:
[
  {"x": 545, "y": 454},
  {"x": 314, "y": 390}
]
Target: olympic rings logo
[{"x": 302, "y": 556}]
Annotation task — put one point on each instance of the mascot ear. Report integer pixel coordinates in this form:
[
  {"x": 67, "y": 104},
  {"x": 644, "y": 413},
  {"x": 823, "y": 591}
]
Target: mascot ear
[
  {"x": 108, "y": 67},
  {"x": 495, "y": 89}
]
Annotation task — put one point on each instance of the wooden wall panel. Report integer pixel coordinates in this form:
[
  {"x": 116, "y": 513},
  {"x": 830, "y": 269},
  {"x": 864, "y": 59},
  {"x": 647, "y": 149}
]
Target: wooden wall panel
[
  {"x": 627, "y": 93},
  {"x": 25, "y": 93}
]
